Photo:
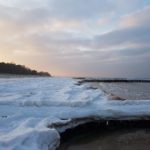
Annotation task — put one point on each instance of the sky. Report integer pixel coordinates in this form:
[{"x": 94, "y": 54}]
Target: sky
[{"x": 109, "y": 38}]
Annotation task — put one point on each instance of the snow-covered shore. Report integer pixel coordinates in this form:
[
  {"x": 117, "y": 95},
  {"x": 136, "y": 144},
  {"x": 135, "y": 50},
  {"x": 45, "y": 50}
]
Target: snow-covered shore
[{"x": 29, "y": 107}]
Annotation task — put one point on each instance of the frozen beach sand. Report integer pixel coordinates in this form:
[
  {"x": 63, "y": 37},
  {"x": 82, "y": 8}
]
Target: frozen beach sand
[
  {"x": 30, "y": 109},
  {"x": 137, "y": 139}
]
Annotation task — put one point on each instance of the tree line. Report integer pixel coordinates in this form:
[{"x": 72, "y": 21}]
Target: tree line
[{"x": 12, "y": 68}]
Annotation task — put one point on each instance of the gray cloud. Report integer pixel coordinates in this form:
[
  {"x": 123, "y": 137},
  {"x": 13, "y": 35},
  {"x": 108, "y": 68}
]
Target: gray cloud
[
  {"x": 81, "y": 9},
  {"x": 135, "y": 35}
]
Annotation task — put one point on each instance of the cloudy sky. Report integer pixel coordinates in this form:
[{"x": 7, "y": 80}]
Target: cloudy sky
[{"x": 109, "y": 38}]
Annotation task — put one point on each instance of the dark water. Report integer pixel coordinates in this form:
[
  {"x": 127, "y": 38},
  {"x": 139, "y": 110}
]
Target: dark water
[{"x": 138, "y": 139}]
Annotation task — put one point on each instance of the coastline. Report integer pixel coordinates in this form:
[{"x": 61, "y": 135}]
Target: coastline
[
  {"x": 120, "y": 89},
  {"x": 43, "y": 108},
  {"x": 21, "y": 76}
]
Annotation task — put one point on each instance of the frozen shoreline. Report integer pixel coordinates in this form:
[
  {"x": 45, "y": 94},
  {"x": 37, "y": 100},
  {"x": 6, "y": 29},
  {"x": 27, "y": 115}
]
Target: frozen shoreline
[
  {"x": 3, "y": 76},
  {"x": 124, "y": 90},
  {"x": 28, "y": 106}
]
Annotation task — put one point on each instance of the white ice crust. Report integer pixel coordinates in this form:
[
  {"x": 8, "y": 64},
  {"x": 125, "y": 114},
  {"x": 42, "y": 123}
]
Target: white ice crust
[{"x": 28, "y": 106}]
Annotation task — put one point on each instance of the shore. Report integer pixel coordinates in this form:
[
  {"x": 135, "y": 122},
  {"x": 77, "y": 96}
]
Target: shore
[
  {"x": 41, "y": 109},
  {"x": 117, "y": 89},
  {"x": 19, "y": 76}
]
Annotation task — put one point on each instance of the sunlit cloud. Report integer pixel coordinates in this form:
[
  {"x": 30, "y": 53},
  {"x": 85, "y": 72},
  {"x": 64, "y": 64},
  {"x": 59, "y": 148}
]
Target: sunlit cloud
[{"x": 138, "y": 18}]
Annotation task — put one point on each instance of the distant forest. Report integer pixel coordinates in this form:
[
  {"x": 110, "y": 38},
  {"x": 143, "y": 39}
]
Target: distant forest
[{"x": 12, "y": 68}]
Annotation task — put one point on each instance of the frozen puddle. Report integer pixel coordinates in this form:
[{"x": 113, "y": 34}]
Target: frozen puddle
[{"x": 110, "y": 140}]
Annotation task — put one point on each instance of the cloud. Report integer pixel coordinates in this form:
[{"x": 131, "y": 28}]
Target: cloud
[
  {"x": 24, "y": 4},
  {"x": 80, "y": 9},
  {"x": 77, "y": 37},
  {"x": 123, "y": 37},
  {"x": 135, "y": 30},
  {"x": 140, "y": 18}
]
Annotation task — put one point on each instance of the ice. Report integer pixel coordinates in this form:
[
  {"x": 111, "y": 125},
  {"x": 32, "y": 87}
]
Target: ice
[{"x": 28, "y": 106}]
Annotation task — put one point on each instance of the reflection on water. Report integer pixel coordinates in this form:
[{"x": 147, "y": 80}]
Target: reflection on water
[{"x": 120, "y": 140}]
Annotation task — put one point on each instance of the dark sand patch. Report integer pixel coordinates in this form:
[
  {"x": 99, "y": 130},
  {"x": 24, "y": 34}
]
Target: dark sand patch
[
  {"x": 109, "y": 135},
  {"x": 118, "y": 140}
]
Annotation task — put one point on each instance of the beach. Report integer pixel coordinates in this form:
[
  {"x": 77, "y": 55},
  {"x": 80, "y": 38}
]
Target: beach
[{"x": 132, "y": 91}]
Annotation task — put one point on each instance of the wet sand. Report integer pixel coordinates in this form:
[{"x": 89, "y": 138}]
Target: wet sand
[
  {"x": 138, "y": 139},
  {"x": 131, "y": 91}
]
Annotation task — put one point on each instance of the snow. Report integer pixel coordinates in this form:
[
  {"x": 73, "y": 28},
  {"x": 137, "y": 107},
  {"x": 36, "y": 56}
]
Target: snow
[{"x": 29, "y": 105}]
